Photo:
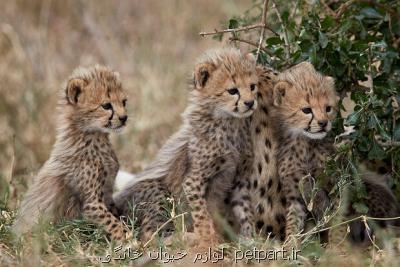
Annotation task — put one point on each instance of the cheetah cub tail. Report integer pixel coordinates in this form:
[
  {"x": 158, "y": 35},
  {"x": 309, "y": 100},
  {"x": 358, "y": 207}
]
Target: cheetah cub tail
[
  {"x": 42, "y": 200},
  {"x": 123, "y": 178}
]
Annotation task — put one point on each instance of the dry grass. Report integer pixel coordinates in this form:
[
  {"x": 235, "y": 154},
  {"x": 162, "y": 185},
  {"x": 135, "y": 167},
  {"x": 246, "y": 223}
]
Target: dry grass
[{"x": 153, "y": 44}]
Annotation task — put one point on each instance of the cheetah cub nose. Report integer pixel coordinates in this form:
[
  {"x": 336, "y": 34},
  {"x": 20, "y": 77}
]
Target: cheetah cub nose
[
  {"x": 323, "y": 123},
  {"x": 249, "y": 104},
  {"x": 123, "y": 119}
]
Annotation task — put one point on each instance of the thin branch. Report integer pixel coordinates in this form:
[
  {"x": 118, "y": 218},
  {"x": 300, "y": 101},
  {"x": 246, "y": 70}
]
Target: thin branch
[
  {"x": 328, "y": 8},
  {"x": 370, "y": 77},
  {"x": 368, "y": 230},
  {"x": 244, "y": 28},
  {"x": 240, "y": 29},
  {"x": 263, "y": 25},
  {"x": 264, "y": 22},
  {"x": 354, "y": 88},
  {"x": 342, "y": 8},
  {"x": 285, "y": 35},
  {"x": 235, "y": 39},
  {"x": 359, "y": 87}
]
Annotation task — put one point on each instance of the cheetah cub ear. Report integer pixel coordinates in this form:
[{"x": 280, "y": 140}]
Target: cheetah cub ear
[
  {"x": 305, "y": 66},
  {"x": 329, "y": 83},
  {"x": 74, "y": 90},
  {"x": 279, "y": 92},
  {"x": 251, "y": 57},
  {"x": 202, "y": 73}
]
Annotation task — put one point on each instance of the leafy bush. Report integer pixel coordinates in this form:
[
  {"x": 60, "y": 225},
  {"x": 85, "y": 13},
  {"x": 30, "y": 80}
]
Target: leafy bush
[{"x": 356, "y": 42}]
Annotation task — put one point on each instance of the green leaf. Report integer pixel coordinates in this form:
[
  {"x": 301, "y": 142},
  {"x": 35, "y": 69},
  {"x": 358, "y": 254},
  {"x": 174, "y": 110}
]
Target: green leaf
[
  {"x": 383, "y": 133},
  {"x": 285, "y": 17},
  {"x": 372, "y": 122},
  {"x": 376, "y": 152},
  {"x": 359, "y": 46},
  {"x": 371, "y": 13},
  {"x": 313, "y": 56},
  {"x": 323, "y": 41},
  {"x": 363, "y": 144},
  {"x": 327, "y": 23},
  {"x": 233, "y": 24},
  {"x": 381, "y": 45},
  {"x": 345, "y": 26},
  {"x": 274, "y": 40},
  {"x": 296, "y": 56},
  {"x": 305, "y": 45},
  {"x": 352, "y": 119},
  {"x": 359, "y": 96},
  {"x": 396, "y": 134}
]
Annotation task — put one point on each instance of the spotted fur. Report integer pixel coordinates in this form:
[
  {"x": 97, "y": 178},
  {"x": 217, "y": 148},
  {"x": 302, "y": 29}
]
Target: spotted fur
[{"x": 258, "y": 204}]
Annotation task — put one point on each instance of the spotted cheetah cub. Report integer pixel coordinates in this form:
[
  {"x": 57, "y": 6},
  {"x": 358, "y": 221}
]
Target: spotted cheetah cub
[
  {"x": 306, "y": 104},
  {"x": 78, "y": 177},
  {"x": 211, "y": 147}
]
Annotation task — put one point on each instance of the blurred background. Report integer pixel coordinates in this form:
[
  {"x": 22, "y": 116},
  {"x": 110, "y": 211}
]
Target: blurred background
[{"x": 153, "y": 44}]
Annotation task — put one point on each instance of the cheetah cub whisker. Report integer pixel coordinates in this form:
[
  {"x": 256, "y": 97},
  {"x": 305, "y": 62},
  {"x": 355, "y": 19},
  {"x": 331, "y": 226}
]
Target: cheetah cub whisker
[{"x": 78, "y": 177}]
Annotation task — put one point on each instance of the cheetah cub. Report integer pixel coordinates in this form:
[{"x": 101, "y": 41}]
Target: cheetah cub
[
  {"x": 211, "y": 148},
  {"x": 306, "y": 104},
  {"x": 78, "y": 177}
]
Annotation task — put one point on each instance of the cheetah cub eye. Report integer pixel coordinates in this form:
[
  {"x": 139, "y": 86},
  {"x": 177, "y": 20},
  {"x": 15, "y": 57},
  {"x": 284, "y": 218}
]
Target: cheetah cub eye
[
  {"x": 233, "y": 91},
  {"x": 307, "y": 110},
  {"x": 106, "y": 106}
]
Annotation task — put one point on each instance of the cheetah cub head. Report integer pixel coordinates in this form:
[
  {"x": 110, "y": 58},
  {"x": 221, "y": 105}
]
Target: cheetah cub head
[
  {"x": 95, "y": 101},
  {"x": 226, "y": 80},
  {"x": 306, "y": 101}
]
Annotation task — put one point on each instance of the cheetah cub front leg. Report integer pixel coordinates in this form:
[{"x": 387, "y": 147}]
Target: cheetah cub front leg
[
  {"x": 95, "y": 208},
  {"x": 241, "y": 202},
  {"x": 195, "y": 186},
  {"x": 97, "y": 212},
  {"x": 296, "y": 212}
]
